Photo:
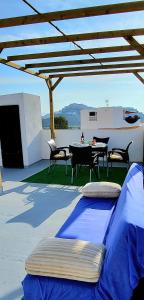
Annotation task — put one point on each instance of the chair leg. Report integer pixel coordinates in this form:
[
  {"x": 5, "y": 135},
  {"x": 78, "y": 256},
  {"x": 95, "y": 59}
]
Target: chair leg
[
  {"x": 66, "y": 168},
  {"x": 49, "y": 167},
  {"x": 98, "y": 172},
  {"x": 103, "y": 162},
  {"x": 128, "y": 165},
  {"x": 76, "y": 171},
  {"x": 111, "y": 164},
  {"x": 72, "y": 175},
  {"x": 107, "y": 169},
  {"x": 90, "y": 175}
]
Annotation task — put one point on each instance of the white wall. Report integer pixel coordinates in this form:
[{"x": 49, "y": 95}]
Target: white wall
[
  {"x": 45, "y": 151},
  {"x": 107, "y": 117},
  {"x": 30, "y": 124},
  {"x": 84, "y": 119},
  {"x": 33, "y": 127},
  {"x": 118, "y": 138}
]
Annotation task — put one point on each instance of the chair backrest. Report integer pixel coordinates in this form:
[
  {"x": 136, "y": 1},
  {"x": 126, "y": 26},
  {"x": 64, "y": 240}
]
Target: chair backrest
[
  {"x": 128, "y": 145},
  {"x": 52, "y": 145},
  {"x": 81, "y": 155},
  {"x": 53, "y": 148},
  {"x": 102, "y": 140}
]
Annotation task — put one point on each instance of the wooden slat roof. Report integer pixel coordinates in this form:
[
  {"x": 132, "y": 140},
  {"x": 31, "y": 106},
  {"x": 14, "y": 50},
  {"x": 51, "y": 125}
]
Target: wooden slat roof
[
  {"x": 129, "y": 36},
  {"x": 73, "y": 37},
  {"x": 99, "y": 67},
  {"x": 97, "y": 73},
  {"x": 85, "y": 61},
  {"x": 71, "y": 52},
  {"x": 73, "y": 14}
]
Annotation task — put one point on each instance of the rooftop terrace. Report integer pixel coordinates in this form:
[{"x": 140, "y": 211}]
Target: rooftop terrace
[{"x": 30, "y": 211}]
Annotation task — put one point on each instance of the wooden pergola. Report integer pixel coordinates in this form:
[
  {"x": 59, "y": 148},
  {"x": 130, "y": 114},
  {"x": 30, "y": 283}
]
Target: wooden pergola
[{"x": 81, "y": 67}]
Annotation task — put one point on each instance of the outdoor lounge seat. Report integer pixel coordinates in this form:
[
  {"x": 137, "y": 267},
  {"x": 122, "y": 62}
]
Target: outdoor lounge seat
[
  {"x": 118, "y": 155},
  {"x": 83, "y": 156},
  {"x": 118, "y": 224},
  {"x": 58, "y": 154}
]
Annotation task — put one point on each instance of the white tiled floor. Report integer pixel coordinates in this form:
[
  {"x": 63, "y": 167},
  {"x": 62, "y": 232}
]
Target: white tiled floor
[
  {"x": 28, "y": 212},
  {"x": 20, "y": 174}
]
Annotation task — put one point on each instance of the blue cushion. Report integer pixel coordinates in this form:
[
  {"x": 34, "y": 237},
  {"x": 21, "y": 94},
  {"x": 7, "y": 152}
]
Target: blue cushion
[{"x": 124, "y": 260}]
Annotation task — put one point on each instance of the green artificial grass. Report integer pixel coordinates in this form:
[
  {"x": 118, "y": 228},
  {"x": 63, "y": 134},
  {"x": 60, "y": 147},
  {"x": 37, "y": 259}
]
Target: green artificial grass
[{"x": 57, "y": 176}]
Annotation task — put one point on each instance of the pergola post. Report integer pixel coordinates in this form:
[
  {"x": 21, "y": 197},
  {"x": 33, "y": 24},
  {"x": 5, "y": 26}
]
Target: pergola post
[
  {"x": 52, "y": 129},
  {"x": 51, "y": 88}
]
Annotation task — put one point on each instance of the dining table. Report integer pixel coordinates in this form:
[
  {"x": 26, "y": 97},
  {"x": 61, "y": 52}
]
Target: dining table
[{"x": 100, "y": 148}]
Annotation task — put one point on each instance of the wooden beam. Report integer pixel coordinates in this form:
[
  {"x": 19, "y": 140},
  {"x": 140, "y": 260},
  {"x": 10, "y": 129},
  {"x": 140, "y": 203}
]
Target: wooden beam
[
  {"x": 20, "y": 68},
  {"x": 96, "y": 73},
  {"x": 70, "y": 52},
  {"x": 114, "y": 66},
  {"x": 56, "y": 83},
  {"x": 139, "y": 77},
  {"x": 136, "y": 46},
  {"x": 74, "y": 13},
  {"x": 49, "y": 84},
  {"x": 72, "y": 37},
  {"x": 85, "y": 61}
]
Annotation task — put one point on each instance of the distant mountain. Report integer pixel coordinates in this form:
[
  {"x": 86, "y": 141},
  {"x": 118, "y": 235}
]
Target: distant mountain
[{"x": 72, "y": 113}]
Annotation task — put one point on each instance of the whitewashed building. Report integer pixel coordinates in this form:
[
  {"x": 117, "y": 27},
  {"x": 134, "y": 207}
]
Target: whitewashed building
[
  {"x": 106, "y": 117},
  {"x": 21, "y": 129}
]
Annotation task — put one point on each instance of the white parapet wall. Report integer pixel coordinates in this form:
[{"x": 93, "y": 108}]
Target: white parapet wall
[
  {"x": 118, "y": 138},
  {"x": 30, "y": 124}
]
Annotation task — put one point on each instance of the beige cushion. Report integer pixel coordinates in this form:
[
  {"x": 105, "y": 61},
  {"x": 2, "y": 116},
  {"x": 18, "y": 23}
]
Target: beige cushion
[
  {"x": 59, "y": 156},
  {"x": 116, "y": 156},
  {"x": 66, "y": 258},
  {"x": 101, "y": 189}
]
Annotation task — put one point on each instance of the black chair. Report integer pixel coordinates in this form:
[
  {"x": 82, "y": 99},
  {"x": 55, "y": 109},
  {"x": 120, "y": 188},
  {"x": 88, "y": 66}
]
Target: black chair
[
  {"x": 102, "y": 153},
  {"x": 58, "y": 154},
  {"x": 118, "y": 155},
  {"x": 102, "y": 140},
  {"x": 83, "y": 156}
]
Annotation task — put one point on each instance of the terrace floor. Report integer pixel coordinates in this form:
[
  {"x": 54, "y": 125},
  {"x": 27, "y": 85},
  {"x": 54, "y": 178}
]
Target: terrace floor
[{"x": 28, "y": 212}]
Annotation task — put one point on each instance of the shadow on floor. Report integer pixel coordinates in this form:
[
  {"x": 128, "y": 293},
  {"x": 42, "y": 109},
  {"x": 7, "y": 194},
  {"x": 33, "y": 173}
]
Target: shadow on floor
[{"x": 42, "y": 201}]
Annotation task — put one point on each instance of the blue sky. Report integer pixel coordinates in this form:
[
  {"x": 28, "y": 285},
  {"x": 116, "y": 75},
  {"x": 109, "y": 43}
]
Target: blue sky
[{"x": 125, "y": 90}]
